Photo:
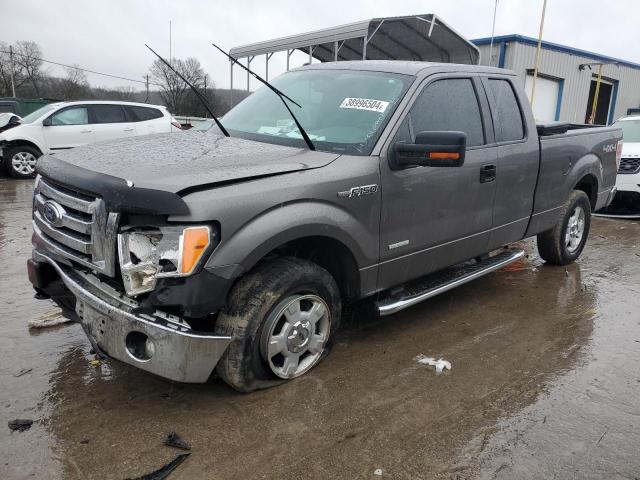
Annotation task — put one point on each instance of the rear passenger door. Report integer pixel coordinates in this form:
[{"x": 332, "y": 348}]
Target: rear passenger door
[
  {"x": 518, "y": 160},
  {"x": 110, "y": 122},
  {"x": 433, "y": 217}
]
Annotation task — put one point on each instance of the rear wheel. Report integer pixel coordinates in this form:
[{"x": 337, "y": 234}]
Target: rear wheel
[
  {"x": 564, "y": 243},
  {"x": 281, "y": 317},
  {"x": 20, "y": 161}
]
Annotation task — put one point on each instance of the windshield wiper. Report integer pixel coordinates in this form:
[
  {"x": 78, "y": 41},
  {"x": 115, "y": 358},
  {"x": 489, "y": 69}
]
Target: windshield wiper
[
  {"x": 195, "y": 90},
  {"x": 281, "y": 95}
]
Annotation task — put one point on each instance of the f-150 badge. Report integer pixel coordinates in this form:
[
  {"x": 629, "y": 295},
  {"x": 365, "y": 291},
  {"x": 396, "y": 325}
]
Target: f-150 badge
[{"x": 359, "y": 191}]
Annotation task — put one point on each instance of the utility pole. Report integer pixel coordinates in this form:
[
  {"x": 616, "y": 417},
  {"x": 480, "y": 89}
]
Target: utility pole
[
  {"x": 206, "y": 97},
  {"x": 146, "y": 84},
  {"x": 594, "y": 104},
  {"x": 535, "y": 71},
  {"x": 170, "y": 56},
  {"x": 493, "y": 30},
  {"x": 592, "y": 117},
  {"x": 13, "y": 86}
]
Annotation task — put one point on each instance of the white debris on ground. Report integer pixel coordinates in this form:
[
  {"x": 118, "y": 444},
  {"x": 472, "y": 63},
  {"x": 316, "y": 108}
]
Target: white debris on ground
[
  {"x": 50, "y": 319},
  {"x": 439, "y": 364},
  {"x": 378, "y": 472}
]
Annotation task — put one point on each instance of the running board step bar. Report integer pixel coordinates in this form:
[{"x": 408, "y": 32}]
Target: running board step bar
[{"x": 444, "y": 280}]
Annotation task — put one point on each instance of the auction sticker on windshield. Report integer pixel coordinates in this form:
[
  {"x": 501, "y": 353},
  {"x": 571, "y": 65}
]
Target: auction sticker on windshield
[{"x": 365, "y": 104}]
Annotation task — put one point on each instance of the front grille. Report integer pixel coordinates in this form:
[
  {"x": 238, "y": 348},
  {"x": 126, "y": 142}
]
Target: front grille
[
  {"x": 629, "y": 165},
  {"x": 75, "y": 225}
]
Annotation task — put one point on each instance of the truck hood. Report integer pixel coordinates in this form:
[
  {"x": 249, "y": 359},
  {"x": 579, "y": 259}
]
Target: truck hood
[{"x": 182, "y": 161}]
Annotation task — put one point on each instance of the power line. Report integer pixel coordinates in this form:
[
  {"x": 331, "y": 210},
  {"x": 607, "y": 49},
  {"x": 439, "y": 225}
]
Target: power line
[{"x": 83, "y": 69}]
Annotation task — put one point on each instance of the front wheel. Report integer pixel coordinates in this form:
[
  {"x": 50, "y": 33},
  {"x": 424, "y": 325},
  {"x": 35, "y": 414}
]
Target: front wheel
[
  {"x": 282, "y": 317},
  {"x": 564, "y": 243},
  {"x": 21, "y": 161}
]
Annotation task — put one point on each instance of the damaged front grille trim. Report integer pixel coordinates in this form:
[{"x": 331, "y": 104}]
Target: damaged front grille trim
[{"x": 89, "y": 242}]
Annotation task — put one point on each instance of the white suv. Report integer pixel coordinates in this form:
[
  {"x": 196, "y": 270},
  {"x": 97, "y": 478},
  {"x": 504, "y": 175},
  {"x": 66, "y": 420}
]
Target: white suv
[
  {"x": 628, "y": 180},
  {"x": 64, "y": 125}
]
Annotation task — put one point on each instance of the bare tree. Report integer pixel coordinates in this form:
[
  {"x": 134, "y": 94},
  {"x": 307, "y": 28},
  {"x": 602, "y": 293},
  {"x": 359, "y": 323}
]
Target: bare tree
[
  {"x": 175, "y": 92},
  {"x": 28, "y": 58},
  {"x": 75, "y": 85},
  {"x": 5, "y": 71},
  {"x": 125, "y": 94}
]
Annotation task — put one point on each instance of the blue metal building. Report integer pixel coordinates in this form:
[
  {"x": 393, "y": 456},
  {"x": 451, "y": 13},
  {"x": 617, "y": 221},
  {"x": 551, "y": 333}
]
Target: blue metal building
[{"x": 567, "y": 78}]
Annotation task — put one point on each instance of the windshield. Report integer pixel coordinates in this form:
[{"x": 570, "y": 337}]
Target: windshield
[
  {"x": 630, "y": 130},
  {"x": 342, "y": 111},
  {"x": 33, "y": 116}
]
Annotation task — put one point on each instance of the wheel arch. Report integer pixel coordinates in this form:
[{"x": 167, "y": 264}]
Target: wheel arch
[
  {"x": 586, "y": 176},
  {"x": 589, "y": 185},
  {"x": 329, "y": 253},
  {"x": 22, "y": 142},
  {"x": 332, "y": 238}
]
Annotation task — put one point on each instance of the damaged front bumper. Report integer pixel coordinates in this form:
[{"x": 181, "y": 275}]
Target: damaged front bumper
[{"x": 162, "y": 344}]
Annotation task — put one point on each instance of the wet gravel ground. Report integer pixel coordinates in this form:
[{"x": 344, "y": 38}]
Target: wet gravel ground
[{"x": 545, "y": 383}]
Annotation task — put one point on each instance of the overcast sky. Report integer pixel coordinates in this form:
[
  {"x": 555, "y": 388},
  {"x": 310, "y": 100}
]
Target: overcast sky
[{"x": 109, "y": 35}]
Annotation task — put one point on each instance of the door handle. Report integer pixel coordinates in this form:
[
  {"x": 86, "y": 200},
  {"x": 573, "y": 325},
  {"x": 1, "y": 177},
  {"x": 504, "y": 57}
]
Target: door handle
[
  {"x": 85, "y": 131},
  {"x": 128, "y": 129},
  {"x": 488, "y": 173}
]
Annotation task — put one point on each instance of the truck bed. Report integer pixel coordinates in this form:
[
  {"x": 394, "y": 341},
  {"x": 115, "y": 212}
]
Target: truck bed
[{"x": 572, "y": 154}]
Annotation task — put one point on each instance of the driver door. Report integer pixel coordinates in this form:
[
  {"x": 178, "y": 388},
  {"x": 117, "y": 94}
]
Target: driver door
[{"x": 433, "y": 217}]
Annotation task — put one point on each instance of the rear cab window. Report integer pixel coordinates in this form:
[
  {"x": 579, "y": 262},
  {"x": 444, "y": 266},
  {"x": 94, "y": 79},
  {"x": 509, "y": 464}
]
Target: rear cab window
[{"x": 506, "y": 112}]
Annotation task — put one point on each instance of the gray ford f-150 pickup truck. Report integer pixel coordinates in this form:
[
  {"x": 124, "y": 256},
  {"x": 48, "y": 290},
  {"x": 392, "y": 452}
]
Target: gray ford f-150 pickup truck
[{"x": 194, "y": 253}]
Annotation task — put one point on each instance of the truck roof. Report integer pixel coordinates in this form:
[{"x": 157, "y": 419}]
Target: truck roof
[{"x": 404, "y": 67}]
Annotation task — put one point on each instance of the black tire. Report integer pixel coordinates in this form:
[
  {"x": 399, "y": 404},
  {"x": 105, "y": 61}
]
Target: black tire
[
  {"x": 255, "y": 301},
  {"x": 552, "y": 244},
  {"x": 27, "y": 170}
]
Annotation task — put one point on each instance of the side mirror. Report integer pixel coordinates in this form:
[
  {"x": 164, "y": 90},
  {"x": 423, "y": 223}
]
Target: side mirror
[
  {"x": 46, "y": 122},
  {"x": 14, "y": 121},
  {"x": 432, "y": 149}
]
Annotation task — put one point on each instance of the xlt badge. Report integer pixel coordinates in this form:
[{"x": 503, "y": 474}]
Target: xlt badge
[{"x": 359, "y": 191}]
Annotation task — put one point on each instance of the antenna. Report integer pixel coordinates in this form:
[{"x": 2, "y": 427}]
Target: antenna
[{"x": 493, "y": 30}]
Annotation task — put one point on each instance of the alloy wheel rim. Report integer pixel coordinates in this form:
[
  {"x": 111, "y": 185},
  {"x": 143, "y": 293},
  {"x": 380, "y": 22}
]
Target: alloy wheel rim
[
  {"x": 575, "y": 229},
  {"x": 24, "y": 163},
  {"x": 298, "y": 330}
]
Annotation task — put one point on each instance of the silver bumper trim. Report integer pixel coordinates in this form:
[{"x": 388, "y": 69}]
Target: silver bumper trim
[{"x": 177, "y": 352}]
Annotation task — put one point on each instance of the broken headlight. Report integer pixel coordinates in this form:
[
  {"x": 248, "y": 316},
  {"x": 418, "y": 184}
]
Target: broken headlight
[{"x": 168, "y": 251}]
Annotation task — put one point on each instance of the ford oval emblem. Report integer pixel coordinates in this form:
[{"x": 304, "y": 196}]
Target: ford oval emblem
[{"x": 53, "y": 213}]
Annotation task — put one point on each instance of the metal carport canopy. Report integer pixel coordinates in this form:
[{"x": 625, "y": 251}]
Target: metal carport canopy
[{"x": 416, "y": 37}]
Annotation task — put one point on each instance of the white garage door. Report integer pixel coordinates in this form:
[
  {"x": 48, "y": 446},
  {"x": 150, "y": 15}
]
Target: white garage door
[{"x": 546, "y": 101}]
